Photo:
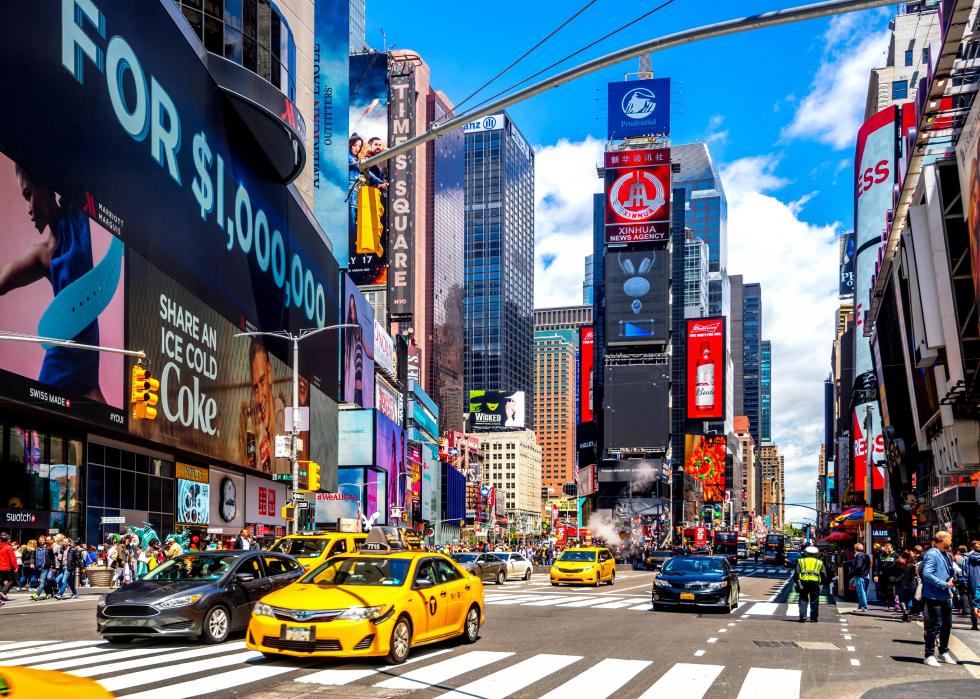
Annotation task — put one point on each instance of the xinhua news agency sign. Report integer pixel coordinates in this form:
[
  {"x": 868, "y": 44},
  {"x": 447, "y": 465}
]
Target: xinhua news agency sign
[{"x": 638, "y": 108}]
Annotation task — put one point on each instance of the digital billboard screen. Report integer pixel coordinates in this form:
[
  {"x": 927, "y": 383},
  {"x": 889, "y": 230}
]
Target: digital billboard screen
[
  {"x": 586, "y": 349},
  {"x": 389, "y": 452},
  {"x": 358, "y": 373},
  {"x": 637, "y": 108},
  {"x": 497, "y": 409},
  {"x": 356, "y": 438},
  {"x": 704, "y": 459},
  {"x": 706, "y": 369},
  {"x": 636, "y": 406},
  {"x": 637, "y": 194},
  {"x": 637, "y": 295}
]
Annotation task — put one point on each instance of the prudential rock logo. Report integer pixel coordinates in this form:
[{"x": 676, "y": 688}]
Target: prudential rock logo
[{"x": 639, "y": 103}]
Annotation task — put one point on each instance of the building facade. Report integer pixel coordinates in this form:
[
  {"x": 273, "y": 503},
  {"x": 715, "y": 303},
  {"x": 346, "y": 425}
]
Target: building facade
[
  {"x": 512, "y": 465},
  {"x": 555, "y": 396},
  {"x": 752, "y": 358},
  {"x": 771, "y": 485},
  {"x": 695, "y": 278},
  {"x": 765, "y": 391},
  {"x": 564, "y": 318},
  {"x": 587, "y": 281}
]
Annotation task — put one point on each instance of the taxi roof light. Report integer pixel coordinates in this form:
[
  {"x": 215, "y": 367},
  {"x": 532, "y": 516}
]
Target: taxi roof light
[{"x": 383, "y": 539}]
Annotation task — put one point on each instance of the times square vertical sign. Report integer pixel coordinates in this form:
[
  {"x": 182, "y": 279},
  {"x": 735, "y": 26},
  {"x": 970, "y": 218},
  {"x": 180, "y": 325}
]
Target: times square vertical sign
[{"x": 401, "y": 196}]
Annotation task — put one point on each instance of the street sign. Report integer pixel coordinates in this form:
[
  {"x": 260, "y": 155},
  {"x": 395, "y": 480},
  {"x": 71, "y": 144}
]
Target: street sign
[
  {"x": 302, "y": 504},
  {"x": 113, "y": 520},
  {"x": 282, "y": 447},
  {"x": 282, "y": 477}
]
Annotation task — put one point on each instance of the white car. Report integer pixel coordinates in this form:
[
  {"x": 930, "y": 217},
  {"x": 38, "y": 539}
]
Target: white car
[{"x": 518, "y": 567}]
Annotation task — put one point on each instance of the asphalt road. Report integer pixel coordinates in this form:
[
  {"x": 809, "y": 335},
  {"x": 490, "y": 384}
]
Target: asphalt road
[{"x": 570, "y": 642}]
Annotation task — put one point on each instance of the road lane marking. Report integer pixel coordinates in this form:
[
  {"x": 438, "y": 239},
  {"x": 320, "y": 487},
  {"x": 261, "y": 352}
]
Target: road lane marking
[
  {"x": 642, "y": 607},
  {"x": 22, "y": 644},
  {"x": 547, "y": 602},
  {"x": 601, "y": 680},
  {"x": 620, "y": 590},
  {"x": 850, "y": 649},
  {"x": 505, "y": 682},
  {"x": 215, "y": 683},
  {"x": 341, "y": 676},
  {"x": 93, "y": 659},
  {"x": 698, "y": 653},
  {"x": 770, "y": 682},
  {"x": 712, "y": 639},
  {"x": 588, "y": 602},
  {"x": 855, "y": 662},
  {"x": 70, "y": 653},
  {"x": 763, "y": 609},
  {"x": 516, "y": 600},
  {"x": 159, "y": 674},
  {"x": 49, "y": 648},
  {"x": 615, "y": 605},
  {"x": 847, "y": 638},
  {"x": 431, "y": 675},
  {"x": 158, "y": 659},
  {"x": 684, "y": 681}
]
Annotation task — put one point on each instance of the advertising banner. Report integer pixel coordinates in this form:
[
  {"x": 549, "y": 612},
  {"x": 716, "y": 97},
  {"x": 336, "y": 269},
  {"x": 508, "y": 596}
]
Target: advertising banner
[
  {"x": 384, "y": 350},
  {"x": 637, "y": 192},
  {"x": 375, "y": 503},
  {"x": 586, "y": 348},
  {"x": 706, "y": 369},
  {"x": 846, "y": 287},
  {"x": 356, "y": 436},
  {"x": 401, "y": 197},
  {"x": 496, "y": 409},
  {"x": 637, "y": 406},
  {"x": 494, "y": 122},
  {"x": 368, "y": 119},
  {"x": 639, "y": 108},
  {"x": 704, "y": 459},
  {"x": 346, "y": 501},
  {"x": 358, "y": 367},
  {"x": 389, "y": 456},
  {"x": 388, "y": 400},
  {"x": 193, "y": 495},
  {"x": 637, "y": 295},
  {"x": 586, "y": 481},
  {"x": 968, "y": 165},
  {"x": 331, "y": 47},
  {"x": 220, "y": 395},
  {"x": 263, "y": 501},
  {"x": 861, "y": 448},
  {"x": 227, "y": 500},
  {"x": 430, "y": 463}
]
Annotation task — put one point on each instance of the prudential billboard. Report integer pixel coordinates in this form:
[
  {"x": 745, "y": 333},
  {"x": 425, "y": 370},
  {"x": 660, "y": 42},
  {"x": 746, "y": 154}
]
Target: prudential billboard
[{"x": 638, "y": 108}]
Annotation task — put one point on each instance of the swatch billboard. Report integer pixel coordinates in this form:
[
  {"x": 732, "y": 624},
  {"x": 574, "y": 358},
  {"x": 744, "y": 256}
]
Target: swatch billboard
[
  {"x": 706, "y": 369},
  {"x": 637, "y": 295},
  {"x": 637, "y": 108},
  {"x": 586, "y": 348},
  {"x": 637, "y": 191}
]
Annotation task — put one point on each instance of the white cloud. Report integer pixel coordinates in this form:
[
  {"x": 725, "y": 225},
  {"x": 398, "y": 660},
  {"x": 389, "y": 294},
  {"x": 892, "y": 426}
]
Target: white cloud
[
  {"x": 834, "y": 108},
  {"x": 796, "y": 263},
  {"x": 564, "y": 182}
]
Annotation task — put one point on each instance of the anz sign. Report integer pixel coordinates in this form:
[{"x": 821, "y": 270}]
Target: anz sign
[{"x": 487, "y": 123}]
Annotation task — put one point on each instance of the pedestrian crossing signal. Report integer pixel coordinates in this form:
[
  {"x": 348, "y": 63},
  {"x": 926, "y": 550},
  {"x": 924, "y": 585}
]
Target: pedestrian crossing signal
[
  {"x": 144, "y": 393},
  {"x": 288, "y": 512}
]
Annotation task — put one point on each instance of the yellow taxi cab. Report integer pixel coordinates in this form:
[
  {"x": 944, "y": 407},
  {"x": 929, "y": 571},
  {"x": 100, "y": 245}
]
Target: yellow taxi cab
[
  {"x": 17, "y": 682},
  {"x": 588, "y": 565},
  {"x": 313, "y": 549},
  {"x": 381, "y": 600}
]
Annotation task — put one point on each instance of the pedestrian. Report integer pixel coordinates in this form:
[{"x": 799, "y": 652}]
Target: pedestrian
[
  {"x": 19, "y": 553},
  {"x": 810, "y": 575},
  {"x": 962, "y": 598},
  {"x": 861, "y": 575},
  {"x": 884, "y": 589},
  {"x": 938, "y": 588},
  {"x": 243, "y": 541},
  {"x": 904, "y": 578},
  {"x": 44, "y": 561},
  {"x": 174, "y": 550},
  {"x": 74, "y": 562},
  {"x": 8, "y": 567},
  {"x": 28, "y": 570},
  {"x": 972, "y": 565}
]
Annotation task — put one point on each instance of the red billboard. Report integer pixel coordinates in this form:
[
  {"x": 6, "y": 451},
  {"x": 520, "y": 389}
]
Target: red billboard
[
  {"x": 637, "y": 196},
  {"x": 704, "y": 459},
  {"x": 706, "y": 369},
  {"x": 586, "y": 345}
]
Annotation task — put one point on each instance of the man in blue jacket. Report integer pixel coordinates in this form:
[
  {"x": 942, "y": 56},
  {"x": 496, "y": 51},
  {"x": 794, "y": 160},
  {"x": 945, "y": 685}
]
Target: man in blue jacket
[{"x": 938, "y": 588}]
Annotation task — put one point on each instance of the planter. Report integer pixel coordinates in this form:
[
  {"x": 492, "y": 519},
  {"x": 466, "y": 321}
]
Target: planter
[{"x": 99, "y": 576}]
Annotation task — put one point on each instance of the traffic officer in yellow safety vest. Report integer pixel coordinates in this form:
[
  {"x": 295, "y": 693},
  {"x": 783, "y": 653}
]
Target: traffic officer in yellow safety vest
[{"x": 809, "y": 577}]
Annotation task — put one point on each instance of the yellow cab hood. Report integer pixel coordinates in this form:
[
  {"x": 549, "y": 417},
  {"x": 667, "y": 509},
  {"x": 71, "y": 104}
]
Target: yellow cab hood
[
  {"x": 312, "y": 596},
  {"x": 574, "y": 565}
]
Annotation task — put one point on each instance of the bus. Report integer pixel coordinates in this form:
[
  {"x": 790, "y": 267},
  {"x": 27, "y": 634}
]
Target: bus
[
  {"x": 726, "y": 544},
  {"x": 775, "y": 550}
]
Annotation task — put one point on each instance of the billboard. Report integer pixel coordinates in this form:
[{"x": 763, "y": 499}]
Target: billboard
[
  {"x": 345, "y": 501},
  {"x": 637, "y": 192},
  {"x": 636, "y": 406},
  {"x": 706, "y": 369},
  {"x": 846, "y": 286},
  {"x": 401, "y": 197},
  {"x": 193, "y": 496},
  {"x": 968, "y": 165},
  {"x": 331, "y": 46},
  {"x": 389, "y": 454},
  {"x": 263, "y": 500},
  {"x": 586, "y": 481},
  {"x": 496, "y": 409},
  {"x": 637, "y": 295},
  {"x": 388, "y": 400},
  {"x": 586, "y": 347},
  {"x": 861, "y": 445},
  {"x": 358, "y": 367},
  {"x": 637, "y": 108},
  {"x": 227, "y": 500},
  {"x": 384, "y": 350},
  {"x": 368, "y": 119},
  {"x": 61, "y": 276},
  {"x": 356, "y": 437},
  {"x": 704, "y": 459}
]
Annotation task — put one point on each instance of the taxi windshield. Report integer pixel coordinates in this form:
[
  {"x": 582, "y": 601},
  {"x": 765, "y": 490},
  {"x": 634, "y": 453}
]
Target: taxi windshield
[
  {"x": 300, "y": 547},
  {"x": 389, "y": 572},
  {"x": 200, "y": 568},
  {"x": 577, "y": 556}
]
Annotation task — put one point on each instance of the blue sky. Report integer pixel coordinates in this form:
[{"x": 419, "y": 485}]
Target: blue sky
[{"x": 779, "y": 108}]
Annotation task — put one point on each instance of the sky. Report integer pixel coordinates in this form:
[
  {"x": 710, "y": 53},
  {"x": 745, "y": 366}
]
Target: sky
[{"x": 779, "y": 109}]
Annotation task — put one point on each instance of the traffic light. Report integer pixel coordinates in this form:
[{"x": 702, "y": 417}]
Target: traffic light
[
  {"x": 144, "y": 393},
  {"x": 313, "y": 470},
  {"x": 288, "y": 512}
]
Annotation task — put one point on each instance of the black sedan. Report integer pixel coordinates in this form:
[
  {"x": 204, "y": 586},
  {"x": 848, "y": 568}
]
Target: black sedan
[
  {"x": 199, "y": 595},
  {"x": 696, "y": 581},
  {"x": 655, "y": 559},
  {"x": 486, "y": 566}
]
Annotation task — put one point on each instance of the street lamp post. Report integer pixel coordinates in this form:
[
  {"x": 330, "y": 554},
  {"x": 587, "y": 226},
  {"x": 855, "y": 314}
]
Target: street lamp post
[
  {"x": 295, "y": 338},
  {"x": 868, "y": 483}
]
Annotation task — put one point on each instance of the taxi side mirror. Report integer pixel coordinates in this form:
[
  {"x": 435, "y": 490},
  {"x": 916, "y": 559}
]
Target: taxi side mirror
[{"x": 423, "y": 584}]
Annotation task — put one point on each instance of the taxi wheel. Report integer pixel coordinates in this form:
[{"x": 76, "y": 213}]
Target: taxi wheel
[
  {"x": 554, "y": 584},
  {"x": 401, "y": 642},
  {"x": 612, "y": 578},
  {"x": 471, "y": 627},
  {"x": 216, "y": 626},
  {"x": 598, "y": 579},
  {"x": 501, "y": 577}
]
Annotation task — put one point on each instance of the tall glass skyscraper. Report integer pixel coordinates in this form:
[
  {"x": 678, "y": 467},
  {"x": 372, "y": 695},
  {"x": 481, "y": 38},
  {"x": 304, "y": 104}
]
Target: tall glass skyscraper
[
  {"x": 765, "y": 392},
  {"x": 752, "y": 357},
  {"x": 499, "y": 258}
]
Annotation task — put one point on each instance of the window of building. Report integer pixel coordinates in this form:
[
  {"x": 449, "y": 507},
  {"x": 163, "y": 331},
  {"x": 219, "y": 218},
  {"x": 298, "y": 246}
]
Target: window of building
[
  {"x": 908, "y": 57},
  {"x": 900, "y": 89}
]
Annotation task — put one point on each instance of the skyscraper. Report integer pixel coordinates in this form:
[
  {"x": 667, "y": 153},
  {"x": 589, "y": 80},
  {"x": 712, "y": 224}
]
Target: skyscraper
[
  {"x": 564, "y": 317},
  {"x": 587, "y": 282},
  {"x": 695, "y": 278},
  {"x": 737, "y": 342},
  {"x": 358, "y": 25},
  {"x": 555, "y": 354},
  {"x": 765, "y": 392},
  {"x": 499, "y": 258},
  {"x": 752, "y": 357}
]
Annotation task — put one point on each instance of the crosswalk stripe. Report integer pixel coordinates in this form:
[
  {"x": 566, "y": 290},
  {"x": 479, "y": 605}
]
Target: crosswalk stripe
[
  {"x": 771, "y": 682},
  {"x": 48, "y": 648},
  {"x": 158, "y": 659},
  {"x": 70, "y": 653},
  {"x": 792, "y": 609},
  {"x": 134, "y": 679},
  {"x": 615, "y": 605},
  {"x": 22, "y": 644},
  {"x": 215, "y": 683},
  {"x": 549, "y": 602},
  {"x": 341, "y": 676},
  {"x": 763, "y": 609},
  {"x": 589, "y": 601},
  {"x": 505, "y": 682},
  {"x": 645, "y": 607},
  {"x": 516, "y": 600},
  {"x": 92, "y": 659},
  {"x": 431, "y": 675},
  {"x": 685, "y": 681},
  {"x": 599, "y": 681}
]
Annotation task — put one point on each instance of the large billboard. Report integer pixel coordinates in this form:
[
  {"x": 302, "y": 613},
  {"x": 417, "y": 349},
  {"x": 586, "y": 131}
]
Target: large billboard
[
  {"x": 356, "y": 437},
  {"x": 636, "y": 406},
  {"x": 368, "y": 119},
  {"x": 846, "y": 286},
  {"x": 358, "y": 366},
  {"x": 389, "y": 454},
  {"x": 704, "y": 459},
  {"x": 331, "y": 47},
  {"x": 637, "y": 191},
  {"x": 401, "y": 196},
  {"x": 586, "y": 348},
  {"x": 496, "y": 409},
  {"x": 706, "y": 369},
  {"x": 968, "y": 164},
  {"x": 637, "y": 295},
  {"x": 638, "y": 108}
]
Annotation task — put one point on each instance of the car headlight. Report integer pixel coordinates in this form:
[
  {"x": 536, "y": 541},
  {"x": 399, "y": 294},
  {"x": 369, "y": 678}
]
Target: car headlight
[
  {"x": 175, "y": 602},
  {"x": 661, "y": 583},
  {"x": 360, "y": 613},
  {"x": 717, "y": 585},
  {"x": 263, "y": 609}
]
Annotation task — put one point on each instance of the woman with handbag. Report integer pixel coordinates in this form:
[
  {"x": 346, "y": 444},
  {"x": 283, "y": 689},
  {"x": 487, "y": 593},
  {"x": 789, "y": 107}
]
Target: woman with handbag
[{"x": 905, "y": 583}]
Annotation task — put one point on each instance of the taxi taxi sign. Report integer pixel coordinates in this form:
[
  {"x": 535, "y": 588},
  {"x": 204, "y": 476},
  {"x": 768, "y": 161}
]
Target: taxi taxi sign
[{"x": 388, "y": 539}]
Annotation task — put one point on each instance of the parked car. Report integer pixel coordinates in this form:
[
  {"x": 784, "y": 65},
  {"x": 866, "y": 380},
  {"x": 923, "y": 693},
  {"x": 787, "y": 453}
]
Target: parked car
[
  {"x": 203, "y": 595},
  {"x": 485, "y": 566},
  {"x": 518, "y": 567}
]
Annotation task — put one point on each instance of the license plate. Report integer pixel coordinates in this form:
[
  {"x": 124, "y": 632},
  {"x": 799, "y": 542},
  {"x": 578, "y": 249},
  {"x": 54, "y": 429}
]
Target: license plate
[
  {"x": 297, "y": 633},
  {"x": 687, "y": 595}
]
